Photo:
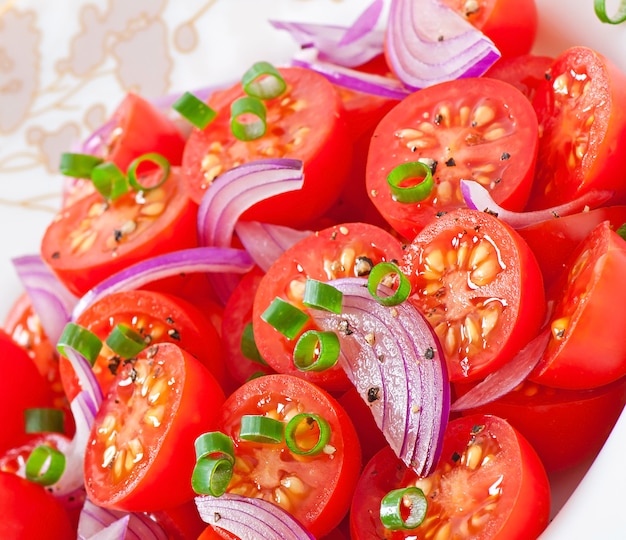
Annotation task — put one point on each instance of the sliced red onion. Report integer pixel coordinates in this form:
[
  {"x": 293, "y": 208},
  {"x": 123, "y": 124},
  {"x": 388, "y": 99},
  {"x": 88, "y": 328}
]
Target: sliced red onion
[
  {"x": 478, "y": 198},
  {"x": 265, "y": 242},
  {"x": 507, "y": 378},
  {"x": 394, "y": 359},
  {"x": 95, "y": 521},
  {"x": 428, "y": 42},
  {"x": 52, "y": 302},
  {"x": 250, "y": 518},
  {"x": 186, "y": 261},
  {"x": 368, "y": 83},
  {"x": 96, "y": 143},
  {"x": 345, "y": 46}
]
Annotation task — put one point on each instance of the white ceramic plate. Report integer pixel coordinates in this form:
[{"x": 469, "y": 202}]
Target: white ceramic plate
[{"x": 64, "y": 66}]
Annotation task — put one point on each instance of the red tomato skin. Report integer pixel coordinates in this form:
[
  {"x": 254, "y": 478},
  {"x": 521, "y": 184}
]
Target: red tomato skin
[
  {"x": 567, "y": 115},
  {"x": 526, "y": 72},
  {"x": 30, "y": 512},
  {"x": 157, "y": 485},
  {"x": 592, "y": 352}
]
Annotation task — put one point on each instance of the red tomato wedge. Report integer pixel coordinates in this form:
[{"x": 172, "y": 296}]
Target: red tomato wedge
[
  {"x": 586, "y": 348},
  {"x": 489, "y": 484},
  {"x": 582, "y": 127},
  {"x": 475, "y": 129},
  {"x": 526, "y": 72},
  {"x": 306, "y": 122},
  {"x": 141, "y": 449},
  {"x": 158, "y": 318},
  {"x": 315, "y": 489},
  {"x": 345, "y": 250},
  {"x": 479, "y": 286},
  {"x": 93, "y": 238}
]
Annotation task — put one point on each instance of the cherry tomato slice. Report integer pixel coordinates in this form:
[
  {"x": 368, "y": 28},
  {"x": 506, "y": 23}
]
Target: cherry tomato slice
[{"x": 526, "y": 72}]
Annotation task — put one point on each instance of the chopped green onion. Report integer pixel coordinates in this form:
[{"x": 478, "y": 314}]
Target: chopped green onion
[
  {"x": 215, "y": 455},
  {"x": 378, "y": 274},
  {"x": 621, "y": 230},
  {"x": 247, "y": 118},
  {"x": 600, "y": 8},
  {"x": 392, "y": 504},
  {"x": 125, "y": 341},
  {"x": 109, "y": 180},
  {"x": 263, "y": 81},
  {"x": 155, "y": 158},
  {"x": 45, "y": 465},
  {"x": 44, "y": 420},
  {"x": 194, "y": 110},
  {"x": 78, "y": 165},
  {"x": 285, "y": 317},
  {"x": 248, "y": 345},
  {"x": 82, "y": 340},
  {"x": 416, "y": 191},
  {"x": 321, "y": 295},
  {"x": 316, "y": 351},
  {"x": 259, "y": 428},
  {"x": 300, "y": 428}
]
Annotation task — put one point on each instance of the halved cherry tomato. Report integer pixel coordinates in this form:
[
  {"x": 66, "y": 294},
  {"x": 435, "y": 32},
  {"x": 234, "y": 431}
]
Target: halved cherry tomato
[
  {"x": 346, "y": 250},
  {"x": 29, "y": 511},
  {"x": 141, "y": 447},
  {"x": 582, "y": 121},
  {"x": 526, "y": 72},
  {"x": 315, "y": 489},
  {"x": 93, "y": 238},
  {"x": 306, "y": 122},
  {"x": 476, "y": 129},
  {"x": 489, "y": 484},
  {"x": 586, "y": 347},
  {"x": 158, "y": 318},
  {"x": 479, "y": 286}
]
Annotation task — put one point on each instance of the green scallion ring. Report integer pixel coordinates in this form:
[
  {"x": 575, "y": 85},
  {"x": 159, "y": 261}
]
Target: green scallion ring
[
  {"x": 392, "y": 504},
  {"x": 316, "y": 351},
  {"x": 125, "y": 341},
  {"x": 211, "y": 476},
  {"x": 82, "y": 340},
  {"x": 321, "y": 295},
  {"x": 412, "y": 193},
  {"x": 109, "y": 180},
  {"x": 247, "y": 118},
  {"x": 214, "y": 443},
  {"x": 263, "y": 429},
  {"x": 45, "y": 465},
  {"x": 378, "y": 274},
  {"x": 155, "y": 158},
  {"x": 248, "y": 346},
  {"x": 194, "y": 110},
  {"x": 78, "y": 165},
  {"x": 263, "y": 81},
  {"x": 299, "y": 427},
  {"x": 599, "y": 7},
  {"x": 285, "y": 317},
  {"x": 44, "y": 420}
]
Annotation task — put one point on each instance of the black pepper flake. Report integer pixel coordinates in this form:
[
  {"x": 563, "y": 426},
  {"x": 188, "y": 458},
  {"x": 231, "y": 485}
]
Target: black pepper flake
[
  {"x": 505, "y": 156},
  {"x": 216, "y": 517},
  {"x": 169, "y": 320},
  {"x": 344, "y": 328},
  {"x": 548, "y": 76},
  {"x": 373, "y": 394},
  {"x": 440, "y": 38},
  {"x": 114, "y": 364},
  {"x": 333, "y": 235},
  {"x": 55, "y": 255},
  {"x": 477, "y": 428},
  {"x": 429, "y": 354},
  {"x": 477, "y": 228},
  {"x": 363, "y": 266},
  {"x": 497, "y": 181},
  {"x": 490, "y": 212},
  {"x": 118, "y": 235},
  {"x": 133, "y": 374},
  {"x": 455, "y": 457},
  {"x": 174, "y": 334},
  {"x": 381, "y": 358},
  {"x": 450, "y": 163},
  {"x": 438, "y": 119},
  {"x": 560, "y": 333}
]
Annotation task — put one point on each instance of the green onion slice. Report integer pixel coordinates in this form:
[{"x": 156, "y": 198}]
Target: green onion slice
[
  {"x": 44, "y": 420},
  {"x": 153, "y": 157},
  {"x": 125, "y": 341},
  {"x": 82, "y": 340},
  {"x": 78, "y": 165},
  {"x": 285, "y": 317},
  {"x": 215, "y": 455},
  {"x": 411, "y": 192},
  {"x": 194, "y": 110},
  {"x": 321, "y": 295},
  {"x": 378, "y": 274},
  {"x": 247, "y": 118},
  {"x": 109, "y": 180},
  {"x": 316, "y": 351},
  {"x": 307, "y": 434},
  {"x": 600, "y": 8},
  {"x": 263, "y": 429},
  {"x": 621, "y": 230},
  {"x": 263, "y": 81},
  {"x": 397, "y": 500},
  {"x": 248, "y": 345},
  {"x": 45, "y": 465}
]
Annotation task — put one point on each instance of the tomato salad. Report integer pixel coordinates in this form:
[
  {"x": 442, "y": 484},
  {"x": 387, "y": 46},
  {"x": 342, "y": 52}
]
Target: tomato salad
[{"x": 352, "y": 299}]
